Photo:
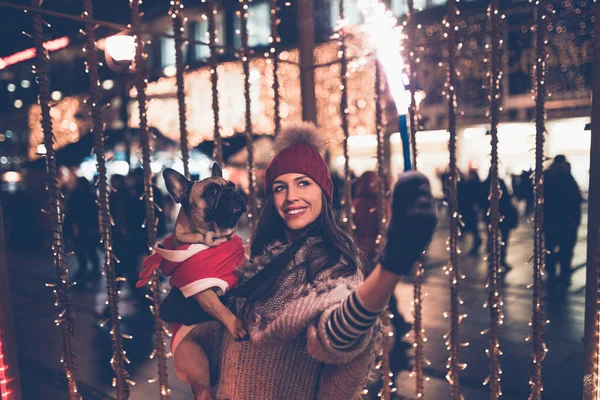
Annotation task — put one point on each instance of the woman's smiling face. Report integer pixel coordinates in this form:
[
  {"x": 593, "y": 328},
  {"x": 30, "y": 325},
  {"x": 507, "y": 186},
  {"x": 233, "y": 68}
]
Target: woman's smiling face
[{"x": 298, "y": 200}]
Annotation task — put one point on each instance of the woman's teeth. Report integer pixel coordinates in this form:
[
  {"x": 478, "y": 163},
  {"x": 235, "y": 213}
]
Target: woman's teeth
[{"x": 296, "y": 211}]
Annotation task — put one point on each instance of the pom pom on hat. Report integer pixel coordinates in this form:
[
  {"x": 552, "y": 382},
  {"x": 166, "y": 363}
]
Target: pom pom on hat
[
  {"x": 299, "y": 149},
  {"x": 302, "y": 132}
]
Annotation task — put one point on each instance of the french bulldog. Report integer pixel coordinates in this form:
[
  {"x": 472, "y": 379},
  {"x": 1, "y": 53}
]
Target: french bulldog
[{"x": 208, "y": 217}]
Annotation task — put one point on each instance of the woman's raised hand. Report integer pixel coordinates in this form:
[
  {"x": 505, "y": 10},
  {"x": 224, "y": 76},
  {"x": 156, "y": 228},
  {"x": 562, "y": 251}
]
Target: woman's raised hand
[{"x": 412, "y": 223}]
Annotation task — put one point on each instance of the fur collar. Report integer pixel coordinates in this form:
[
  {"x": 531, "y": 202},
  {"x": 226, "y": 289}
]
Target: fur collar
[{"x": 253, "y": 266}]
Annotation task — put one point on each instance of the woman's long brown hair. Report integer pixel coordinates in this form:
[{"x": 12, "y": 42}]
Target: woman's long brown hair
[{"x": 322, "y": 255}]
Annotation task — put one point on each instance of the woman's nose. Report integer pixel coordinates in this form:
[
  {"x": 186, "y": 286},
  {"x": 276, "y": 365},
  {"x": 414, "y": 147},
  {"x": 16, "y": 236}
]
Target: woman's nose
[{"x": 292, "y": 194}]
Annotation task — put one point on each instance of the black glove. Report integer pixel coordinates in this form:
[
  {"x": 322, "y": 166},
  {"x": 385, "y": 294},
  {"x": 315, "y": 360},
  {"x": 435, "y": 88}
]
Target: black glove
[{"x": 412, "y": 223}]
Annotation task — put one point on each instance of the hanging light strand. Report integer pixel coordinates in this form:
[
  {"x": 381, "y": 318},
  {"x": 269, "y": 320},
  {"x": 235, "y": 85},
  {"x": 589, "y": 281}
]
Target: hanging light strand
[
  {"x": 453, "y": 344},
  {"x": 539, "y": 250},
  {"x": 494, "y": 302},
  {"x": 274, "y": 40},
  {"x": 382, "y": 184},
  {"x": 591, "y": 378},
  {"x": 386, "y": 374},
  {"x": 178, "y": 20},
  {"x": 214, "y": 79},
  {"x": 151, "y": 220},
  {"x": 118, "y": 357},
  {"x": 252, "y": 206},
  {"x": 347, "y": 217},
  {"x": 412, "y": 111},
  {"x": 61, "y": 288},
  {"x": 418, "y": 330}
]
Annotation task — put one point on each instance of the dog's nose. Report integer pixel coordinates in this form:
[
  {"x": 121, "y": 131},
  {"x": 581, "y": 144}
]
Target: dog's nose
[{"x": 239, "y": 208}]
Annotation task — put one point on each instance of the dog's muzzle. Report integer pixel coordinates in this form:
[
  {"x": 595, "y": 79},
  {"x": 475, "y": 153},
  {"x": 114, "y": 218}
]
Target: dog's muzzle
[{"x": 229, "y": 208}]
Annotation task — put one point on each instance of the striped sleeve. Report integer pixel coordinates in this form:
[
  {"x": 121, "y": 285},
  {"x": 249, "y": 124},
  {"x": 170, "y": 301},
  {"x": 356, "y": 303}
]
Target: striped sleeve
[{"x": 349, "y": 322}]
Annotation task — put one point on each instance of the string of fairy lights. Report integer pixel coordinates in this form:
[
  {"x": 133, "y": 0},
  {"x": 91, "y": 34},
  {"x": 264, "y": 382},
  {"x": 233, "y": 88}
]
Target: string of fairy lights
[
  {"x": 150, "y": 223},
  {"x": 347, "y": 218},
  {"x": 539, "y": 250},
  {"x": 178, "y": 20},
  {"x": 453, "y": 343},
  {"x": 411, "y": 26},
  {"x": 494, "y": 301},
  {"x": 118, "y": 358},
  {"x": 61, "y": 288},
  {"x": 214, "y": 79},
  {"x": 382, "y": 199},
  {"x": 274, "y": 41},
  {"x": 418, "y": 330},
  {"x": 245, "y": 55},
  {"x": 454, "y": 31},
  {"x": 591, "y": 379}
]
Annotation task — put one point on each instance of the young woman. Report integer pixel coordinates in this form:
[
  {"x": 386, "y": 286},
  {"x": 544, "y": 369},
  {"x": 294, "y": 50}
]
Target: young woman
[{"x": 309, "y": 315}]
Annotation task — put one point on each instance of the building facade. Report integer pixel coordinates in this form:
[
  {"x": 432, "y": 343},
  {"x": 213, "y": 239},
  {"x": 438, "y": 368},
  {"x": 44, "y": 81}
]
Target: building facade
[{"x": 569, "y": 77}]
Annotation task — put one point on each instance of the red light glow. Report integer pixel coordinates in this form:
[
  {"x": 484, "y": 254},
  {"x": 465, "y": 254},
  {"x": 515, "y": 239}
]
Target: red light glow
[
  {"x": 4, "y": 392},
  {"x": 52, "y": 45}
]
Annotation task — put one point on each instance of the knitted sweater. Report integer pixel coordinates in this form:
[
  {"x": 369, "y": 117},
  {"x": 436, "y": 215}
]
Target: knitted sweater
[{"x": 290, "y": 354}]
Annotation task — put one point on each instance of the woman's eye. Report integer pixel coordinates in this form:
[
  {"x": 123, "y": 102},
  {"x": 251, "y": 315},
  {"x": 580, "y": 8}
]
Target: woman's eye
[
  {"x": 277, "y": 189},
  {"x": 303, "y": 183}
]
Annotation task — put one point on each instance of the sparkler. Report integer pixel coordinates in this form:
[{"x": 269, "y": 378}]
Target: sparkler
[{"x": 386, "y": 37}]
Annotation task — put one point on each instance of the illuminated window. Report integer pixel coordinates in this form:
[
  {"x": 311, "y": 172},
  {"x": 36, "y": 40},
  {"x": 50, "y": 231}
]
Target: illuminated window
[
  {"x": 201, "y": 33},
  {"x": 167, "y": 51},
  {"x": 351, "y": 13},
  {"x": 259, "y": 25},
  {"x": 400, "y": 7}
]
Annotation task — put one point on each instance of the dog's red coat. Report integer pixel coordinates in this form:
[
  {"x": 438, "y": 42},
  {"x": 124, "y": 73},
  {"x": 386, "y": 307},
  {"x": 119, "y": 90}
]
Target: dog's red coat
[{"x": 218, "y": 262}]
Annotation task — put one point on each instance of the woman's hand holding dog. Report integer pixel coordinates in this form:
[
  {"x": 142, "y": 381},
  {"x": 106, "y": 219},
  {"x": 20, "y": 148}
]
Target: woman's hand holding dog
[
  {"x": 236, "y": 328},
  {"x": 211, "y": 303}
]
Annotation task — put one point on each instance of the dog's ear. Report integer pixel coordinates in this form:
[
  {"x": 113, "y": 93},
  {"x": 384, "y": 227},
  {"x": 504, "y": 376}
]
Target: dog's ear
[
  {"x": 216, "y": 171},
  {"x": 177, "y": 185}
]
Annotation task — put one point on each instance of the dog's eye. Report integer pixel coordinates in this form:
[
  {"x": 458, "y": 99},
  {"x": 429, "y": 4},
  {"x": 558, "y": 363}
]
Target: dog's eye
[{"x": 213, "y": 191}]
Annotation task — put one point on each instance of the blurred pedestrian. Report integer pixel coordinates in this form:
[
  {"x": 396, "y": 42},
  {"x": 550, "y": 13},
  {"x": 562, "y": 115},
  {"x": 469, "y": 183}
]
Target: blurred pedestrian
[
  {"x": 128, "y": 210},
  {"x": 509, "y": 217},
  {"x": 526, "y": 183},
  {"x": 120, "y": 201},
  {"x": 81, "y": 225},
  {"x": 338, "y": 193},
  {"x": 562, "y": 216},
  {"x": 468, "y": 190},
  {"x": 365, "y": 215}
]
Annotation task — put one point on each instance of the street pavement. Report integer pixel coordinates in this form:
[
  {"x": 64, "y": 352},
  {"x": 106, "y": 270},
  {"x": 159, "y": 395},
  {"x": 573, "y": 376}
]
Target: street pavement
[
  {"x": 563, "y": 307},
  {"x": 40, "y": 342}
]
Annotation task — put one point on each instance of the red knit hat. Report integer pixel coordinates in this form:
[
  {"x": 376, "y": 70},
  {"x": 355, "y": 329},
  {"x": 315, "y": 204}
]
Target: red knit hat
[{"x": 298, "y": 149}]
